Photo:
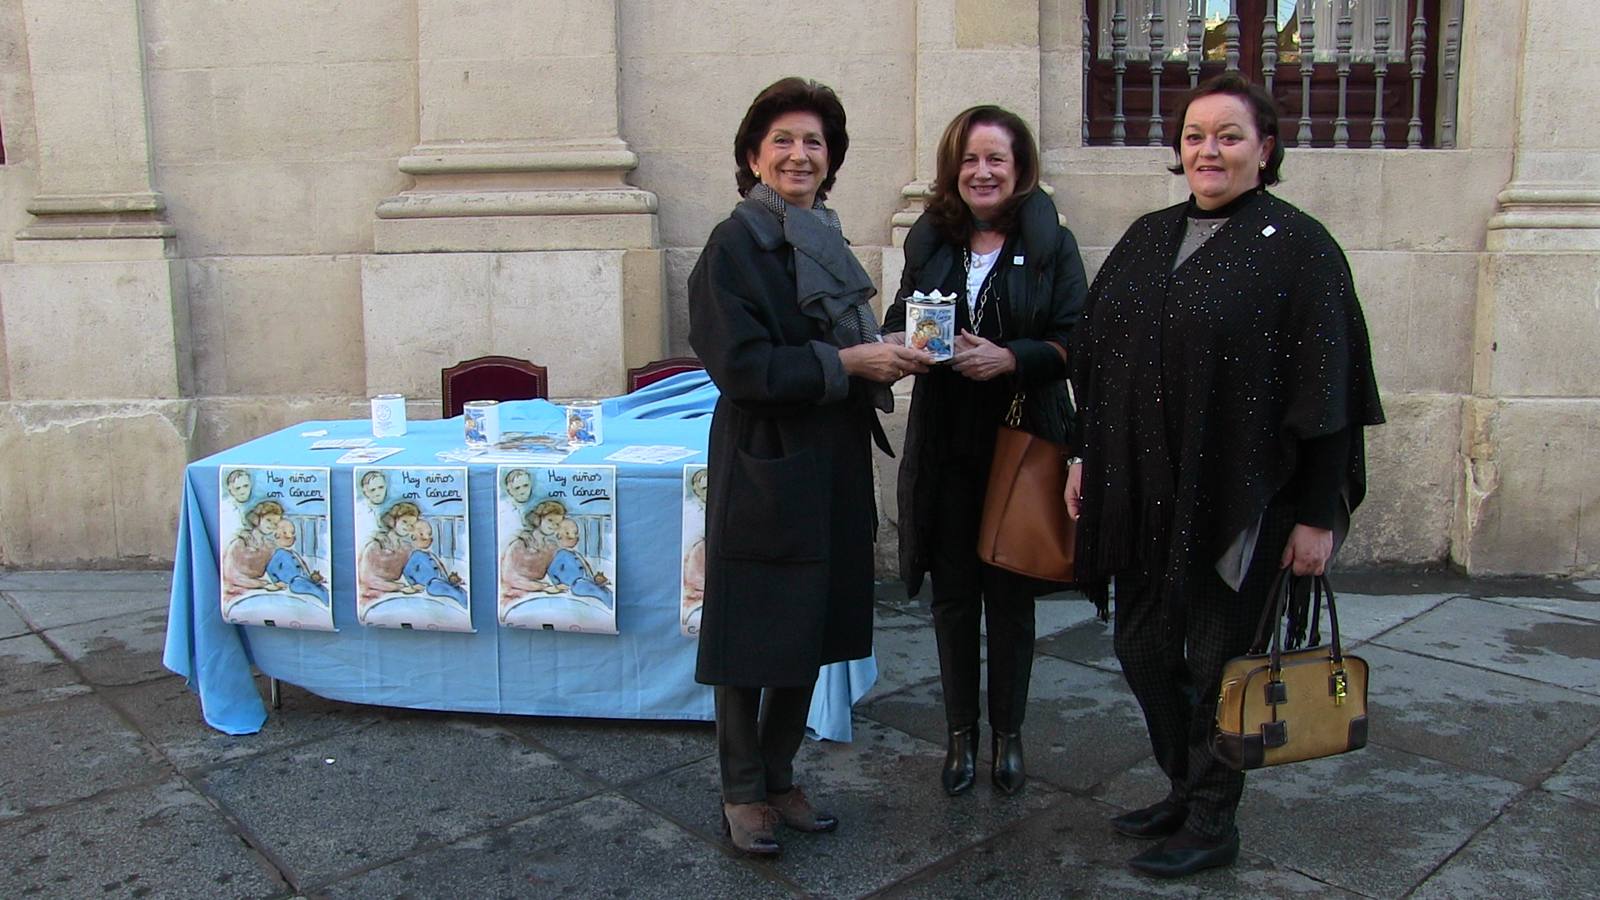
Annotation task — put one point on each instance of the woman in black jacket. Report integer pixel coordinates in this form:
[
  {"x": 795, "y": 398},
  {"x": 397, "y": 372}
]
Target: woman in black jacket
[
  {"x": 778, "y": 311},
  {"x": 991, "y": 237},
  {"x": 1224, "y": 378}
]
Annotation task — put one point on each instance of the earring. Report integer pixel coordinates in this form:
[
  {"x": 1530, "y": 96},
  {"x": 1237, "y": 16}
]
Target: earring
[
  {"x": 1262, "y": 164},
  {"x": 756, "y": 173}
]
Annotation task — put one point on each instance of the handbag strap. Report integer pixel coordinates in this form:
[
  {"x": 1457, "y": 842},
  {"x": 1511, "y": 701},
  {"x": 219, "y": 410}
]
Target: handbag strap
[
  {"x": 1271, "y": 614},
  {"x": 1322, "y": 586}
]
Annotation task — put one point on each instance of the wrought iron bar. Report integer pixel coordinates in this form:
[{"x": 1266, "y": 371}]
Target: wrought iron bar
[
  {"x": 1197, "y": 39},
  {"x": 1380, "y": 68},
  {"x": 1086, "y": 74},
  {"x": 1342, "y": 34},
  {"x": 1119, "y": 65},
  {"x": 1230, "y": 36},
  {"x": 1419, "y": 58},
  {"x": 1451, "y": 66},
  {"x": 1158, "y": 65},
  {"x": 1269, "y": 46},
  {"x": 1308, "y": 44}
]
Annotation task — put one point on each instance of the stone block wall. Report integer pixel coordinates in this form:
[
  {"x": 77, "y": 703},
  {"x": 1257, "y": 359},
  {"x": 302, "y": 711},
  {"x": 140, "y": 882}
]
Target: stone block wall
[{"x": 217, "y": 220}]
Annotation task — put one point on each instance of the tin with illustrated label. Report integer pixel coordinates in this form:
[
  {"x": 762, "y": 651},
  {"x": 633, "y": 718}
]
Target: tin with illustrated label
[
  {"x": 482, "y": 418},
  {"x": 931, "y": 324},
  {"x": 583, "y": 423}
]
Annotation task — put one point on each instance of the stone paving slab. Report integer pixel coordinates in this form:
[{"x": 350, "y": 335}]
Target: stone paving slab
[
  {"x": 160, "y": 840},
  {"x": 167, "y": 712},
  {"x": 1544, "y": 845},
  {"x": 602, "y": 846},
  {"x": 123, "y": 649},
  {"x": 54, "y": 609},
  {"x": 1579, "y": 776},
  {"x": 66, "y": 751},
  {"x": 894, "y": 819},
  {"x": 1083, "y": 725},
  {"x": 1553, "y": 649},
  {"x": 1561, "y": 606},
  {"x": 1087, "y": 643},
  {"x": 906, "y": 651},
  {"x": 11, "y": 623},
  {"x": 1363, "y": 617},
  {"x": 1069, "y": 850},
  {"x": 1375, "y": 821},
  {"x": 1480, "y": 720},
  {"x": 357, "y": 800},
  {"x": 31, "y": 673},
  {"x": 617, "y": 751},
  {"x": 78, "y": 581}
]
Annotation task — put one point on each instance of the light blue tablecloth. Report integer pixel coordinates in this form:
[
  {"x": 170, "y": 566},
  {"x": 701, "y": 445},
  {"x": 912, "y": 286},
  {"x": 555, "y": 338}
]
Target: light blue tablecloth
[{"x": 644, "y": 672}]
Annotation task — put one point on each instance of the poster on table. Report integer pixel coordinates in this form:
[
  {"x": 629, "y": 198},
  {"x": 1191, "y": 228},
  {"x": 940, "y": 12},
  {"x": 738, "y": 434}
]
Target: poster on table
[
  {"x": 412, "y": 547},
  {"x": 557, "y": 539},
  {"x": 694, "y": 549},
  {"x": 276, "y": 562}
]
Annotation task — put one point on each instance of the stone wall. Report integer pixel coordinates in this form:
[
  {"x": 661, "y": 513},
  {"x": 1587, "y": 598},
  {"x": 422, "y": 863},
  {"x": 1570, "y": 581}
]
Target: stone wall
[{"x": 220, "y": 219}]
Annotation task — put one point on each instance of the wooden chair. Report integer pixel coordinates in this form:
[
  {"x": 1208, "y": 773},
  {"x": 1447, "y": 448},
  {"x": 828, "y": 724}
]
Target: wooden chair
[
  {"x": 652, "y": 372},
  {"x": 491, "y": 378}
]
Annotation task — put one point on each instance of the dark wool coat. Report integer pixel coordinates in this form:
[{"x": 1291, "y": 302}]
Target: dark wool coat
[
  {"x": 1197, "y": 388},
  {"x": 790, "y": 514},
  {"x": 1044, "y": 297}
]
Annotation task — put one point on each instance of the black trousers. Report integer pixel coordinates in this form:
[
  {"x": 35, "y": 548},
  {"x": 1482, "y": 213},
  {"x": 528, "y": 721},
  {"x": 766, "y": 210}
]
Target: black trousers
[
  {"x": 1172, "y": 657},
  {"x": 759, "y": 730},
  {"x": 967, "y": 592}
]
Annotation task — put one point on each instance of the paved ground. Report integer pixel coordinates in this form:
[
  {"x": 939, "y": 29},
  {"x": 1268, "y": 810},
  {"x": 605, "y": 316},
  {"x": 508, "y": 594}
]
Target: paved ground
[{"x": 1483, "y": 777}]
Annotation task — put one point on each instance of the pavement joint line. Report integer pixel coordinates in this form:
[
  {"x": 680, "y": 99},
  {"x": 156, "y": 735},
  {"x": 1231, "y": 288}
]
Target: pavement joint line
[
  {"x": 1521, "y": 794},
  {"x": 1501, "y": 602},
  {"x": 715, "y": 840},
  {"x": 1480, "y": 668},
  {"x": 423, "y": 849}
]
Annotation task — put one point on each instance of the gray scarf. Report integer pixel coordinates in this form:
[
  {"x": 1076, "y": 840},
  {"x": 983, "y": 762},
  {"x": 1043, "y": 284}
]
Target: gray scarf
[{"x": 830, "y": 283}]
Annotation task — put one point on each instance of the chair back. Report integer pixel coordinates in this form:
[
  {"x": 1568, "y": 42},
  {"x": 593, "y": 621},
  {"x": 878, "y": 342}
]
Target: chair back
[
  {"x": 652, "y": 372},
  {"x": 491, "y": 378}
]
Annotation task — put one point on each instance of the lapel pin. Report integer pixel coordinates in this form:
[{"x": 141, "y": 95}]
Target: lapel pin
[
  {"x": 1269, "y": 231},
  {"x": 1016, "y": 260}
]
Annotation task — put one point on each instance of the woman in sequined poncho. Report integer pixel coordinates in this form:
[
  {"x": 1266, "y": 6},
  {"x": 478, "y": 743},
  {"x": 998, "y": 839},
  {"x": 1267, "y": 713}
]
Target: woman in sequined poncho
[{"x": 1223, "y": 377}]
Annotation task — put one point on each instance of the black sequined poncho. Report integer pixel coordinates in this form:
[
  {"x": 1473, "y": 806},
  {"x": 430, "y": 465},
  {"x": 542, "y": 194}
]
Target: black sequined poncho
[{"x": 1197, "y": 386}]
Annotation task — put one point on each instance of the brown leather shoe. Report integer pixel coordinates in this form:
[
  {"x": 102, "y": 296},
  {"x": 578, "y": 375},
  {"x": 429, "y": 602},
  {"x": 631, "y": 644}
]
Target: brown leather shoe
[
  {"x": 750, "y": 827},
  {"x": 797, "y": 812}
]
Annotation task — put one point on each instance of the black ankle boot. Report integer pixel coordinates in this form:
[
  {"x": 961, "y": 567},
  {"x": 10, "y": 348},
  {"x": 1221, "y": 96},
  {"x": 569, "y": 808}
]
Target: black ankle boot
[
  {"x": 960, "y": 760},
  {"x": 1008, "y": 773}
]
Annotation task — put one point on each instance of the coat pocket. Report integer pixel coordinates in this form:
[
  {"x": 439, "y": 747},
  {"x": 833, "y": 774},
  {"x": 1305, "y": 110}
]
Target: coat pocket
[{"x": 777, "y": 509}]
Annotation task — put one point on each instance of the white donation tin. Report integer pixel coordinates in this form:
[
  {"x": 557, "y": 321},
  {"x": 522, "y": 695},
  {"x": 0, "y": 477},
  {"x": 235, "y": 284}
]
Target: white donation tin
[
  {"x": 931, "y": 324},
  {"x": 388, "y": 415},
  {"x": 482, "y": 419}
]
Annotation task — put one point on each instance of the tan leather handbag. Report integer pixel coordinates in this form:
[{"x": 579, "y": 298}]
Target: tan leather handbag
[
  {"x": 1278, "y": 706},
  {"x": 1025, "y": 526}
]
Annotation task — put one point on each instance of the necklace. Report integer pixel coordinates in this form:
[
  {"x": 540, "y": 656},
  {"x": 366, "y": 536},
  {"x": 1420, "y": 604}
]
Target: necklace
[{"x": 986, "y": 294}]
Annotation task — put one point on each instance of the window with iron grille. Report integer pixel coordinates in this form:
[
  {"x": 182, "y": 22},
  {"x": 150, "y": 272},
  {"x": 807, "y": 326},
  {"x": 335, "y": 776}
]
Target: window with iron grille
[{"x": 1346, "y": 73}]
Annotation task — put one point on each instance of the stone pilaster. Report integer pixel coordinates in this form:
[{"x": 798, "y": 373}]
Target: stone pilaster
[
  {"x": 520, "y": 234},
  {"x": 94, "y": 308},
  {"x": 1530, "y": 444}
]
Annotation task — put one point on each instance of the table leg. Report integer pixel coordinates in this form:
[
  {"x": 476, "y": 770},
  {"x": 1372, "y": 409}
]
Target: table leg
[{"x": 272, "y": 692}]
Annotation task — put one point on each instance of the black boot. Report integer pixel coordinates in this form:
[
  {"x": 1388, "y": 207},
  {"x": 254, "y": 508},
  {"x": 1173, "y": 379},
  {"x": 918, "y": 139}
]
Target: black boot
[
  {"x": 1155, "y": 821},
  {"x": 960, "y": 760},
  {"x": 1008, "y": 773}
]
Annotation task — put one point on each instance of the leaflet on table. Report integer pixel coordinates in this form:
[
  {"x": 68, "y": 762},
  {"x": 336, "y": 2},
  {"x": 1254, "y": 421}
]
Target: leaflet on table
[
  {"x": 340, "y": 443},
  {"x": 277, "y": 564},
  {"x": 514, "y": 447},
  {"x": 367, "y": 455},
  {"x": 412, "y": 547},
  {"x": 653, "y": 454},
  {"x": 693, "y": 572},
  {"x": 557, "y": 545}
]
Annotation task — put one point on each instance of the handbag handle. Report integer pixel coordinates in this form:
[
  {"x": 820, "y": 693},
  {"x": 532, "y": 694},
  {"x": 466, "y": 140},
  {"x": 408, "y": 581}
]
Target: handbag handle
[{"x": 1272, "y": 616}]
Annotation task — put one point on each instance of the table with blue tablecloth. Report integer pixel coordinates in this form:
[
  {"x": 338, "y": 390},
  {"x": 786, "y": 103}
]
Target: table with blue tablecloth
[{"x": 646, "y": 671}]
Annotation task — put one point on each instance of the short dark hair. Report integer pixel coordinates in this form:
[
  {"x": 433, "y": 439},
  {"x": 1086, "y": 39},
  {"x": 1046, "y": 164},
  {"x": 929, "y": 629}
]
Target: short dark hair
[
  {"x": 949, "y": 212},
  {"x": 788, "y": 95},
  {"x": 1261, "y": 105}
]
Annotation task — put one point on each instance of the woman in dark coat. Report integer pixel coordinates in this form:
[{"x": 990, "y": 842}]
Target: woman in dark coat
[
  {"x": 1224, "y": 376},
  {"x": 778, "y": 312},
  {"x": 991, "y": 237}
]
